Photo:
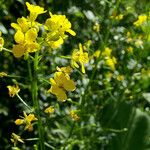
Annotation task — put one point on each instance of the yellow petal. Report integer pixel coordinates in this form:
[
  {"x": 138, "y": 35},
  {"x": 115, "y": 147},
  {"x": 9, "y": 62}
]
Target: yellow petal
[
  {"x": 31, "y": 117},
  {"x": 15, "y": 26},
  {"x": 59, "y": 92},
  {"x": 56, "y": 44},
  {"x": 29, "y": 127},
  {"x": 52, "y": 81},
  {"x": 31, "y": 35},
  {"x": 71, "y": 32},
  {"x": 69, "y": 85},
  {"x": 19, "y": 121},
  {"x": 32, "y": 47},
  {"x": 61, "y": 96},
  {"x": 83, "y": 69},
  {"x": 54, "y": 89},
  {"x": 18, "y": 50},
  {"x": 19, "y": 37}
]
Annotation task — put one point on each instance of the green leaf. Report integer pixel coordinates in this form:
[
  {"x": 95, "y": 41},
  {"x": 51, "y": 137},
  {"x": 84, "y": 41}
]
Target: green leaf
[{"x": 118, "y": 116}]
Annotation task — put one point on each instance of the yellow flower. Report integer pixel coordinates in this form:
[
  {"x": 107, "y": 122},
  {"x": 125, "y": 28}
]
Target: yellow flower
[
  {"x": 34, "y": 11},
  {"x": 1, "y": 41},
  {"x": 13, "y": 90},
  {"x": 23, "y": 24},
  {"x": 96, "y": 27},
  {"x": 78, "y": 56},
  {"x": 111, "y": 62},
  {"x": 57, "y": 25},
  {"x": 120, "y": 77},
  {"x": 26, "y": 42},
  {"x": 141, "y": 20},
  {"x": 119, "y": 17},
  {"x": 60, "y": 84},
  {"x": 74, "y": 115},
  {"x": 97, "y": 54},
  {"x": 3, "y": 74},
  {"x": 15, "y": 139},
  {"x": 27, "y": 120},
  {"x": 49, "y": 110},
  {"x": 107, "y": 52},
  {"x": 66, "y": 70},
  {"x": 130, "y": 49}
]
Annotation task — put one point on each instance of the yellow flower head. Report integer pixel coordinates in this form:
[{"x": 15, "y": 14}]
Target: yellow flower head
[
  {"x": 49, "y": 110},
  {"x": 120, "y": 77},
  {"x": 34, "y": 11},
  {"x": 66, "y": 70},
  {"x": 130, "y": 49},
  {"x": 78, "y": 56},
  {"x": 111, "y": 62},
  {"x": 3, "y": 74},
  {"x": 27, "y": 120},
  {"x": 13, "y": 90},
  {"x": 74, "y": 115},
  {"x": 23, "y": 24},
  {"x": 97, "y": 53},
  {"x": 141, "y": 20},
  {"x": 1, "y": 41},
  {"x": 119, "y": 17},
  {"x": 26, "y": 42},
  {"x": 96, "y": 27},
  {"x": 57, "y": 26},
  {"x": 60, "y": 84},
  {"x": 107, "y": 52},
  {"x": 15, "y": 139}
]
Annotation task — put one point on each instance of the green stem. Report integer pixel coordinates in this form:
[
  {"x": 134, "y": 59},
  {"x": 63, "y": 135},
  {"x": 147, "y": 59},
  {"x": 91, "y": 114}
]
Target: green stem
[
  {"x": 23, "y": 102},
  {"x": 36, "y": 102},
  {"x": 7, "y": 50}
]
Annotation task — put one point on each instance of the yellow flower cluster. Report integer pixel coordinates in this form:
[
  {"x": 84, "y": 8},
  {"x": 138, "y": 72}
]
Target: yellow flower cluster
[
  {"x": 13, "y": 90},
  {"x": 141, "y": 20},
  {"x": 49, "y": 110},
  {"x": 27, "y": 120},
  {"x": 61, "y": 83},
  {"x": 74, "y": 115},
  {"x": 110, "y": 60},
  {"x": 79, "y": 56},
  {"x": 57, "y": 26},
  {"x": 27, "y": 32}
]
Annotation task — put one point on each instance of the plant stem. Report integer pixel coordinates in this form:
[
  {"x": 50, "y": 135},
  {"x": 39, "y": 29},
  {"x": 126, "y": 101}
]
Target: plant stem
[
  {"x": 7, "y": 50},
  {"x": 36, "y": 102},
  {"x": 23, "y": 102}
]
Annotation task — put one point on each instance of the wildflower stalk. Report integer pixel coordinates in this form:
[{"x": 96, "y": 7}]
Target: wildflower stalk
[
  {"x": 7, "y": 50},
  {"x": 23, "y": 102},
  {"x": 36, "y": 102}
]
